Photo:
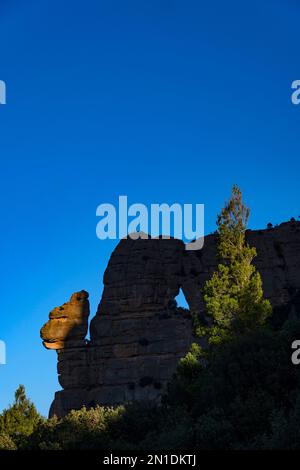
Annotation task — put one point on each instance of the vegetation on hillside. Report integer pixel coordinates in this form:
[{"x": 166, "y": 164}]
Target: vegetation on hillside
[
  {"x": 246, "y": 396},
  {"x": 241, "y": 392}
]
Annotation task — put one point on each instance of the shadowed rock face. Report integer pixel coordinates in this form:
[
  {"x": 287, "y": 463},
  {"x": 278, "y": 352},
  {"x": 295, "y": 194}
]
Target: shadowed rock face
[{"x": 138, "y": 335}]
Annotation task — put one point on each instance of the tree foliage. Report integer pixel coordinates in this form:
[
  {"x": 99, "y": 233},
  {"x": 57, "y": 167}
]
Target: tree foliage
[
  {"x": 18, "y": 420},
  {"x": 6, "y": 442},
  {"x": 245, "y": 396},
  {"x": 234, "y": 296}
]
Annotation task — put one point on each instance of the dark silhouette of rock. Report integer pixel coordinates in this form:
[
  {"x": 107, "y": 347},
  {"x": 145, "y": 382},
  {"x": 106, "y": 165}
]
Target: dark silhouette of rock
[{"x": 138, "y": 334}]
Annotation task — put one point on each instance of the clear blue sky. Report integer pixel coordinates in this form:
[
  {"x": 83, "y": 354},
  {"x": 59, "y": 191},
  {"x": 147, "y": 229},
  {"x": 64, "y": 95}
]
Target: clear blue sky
[{"x": 163, "y": 101}]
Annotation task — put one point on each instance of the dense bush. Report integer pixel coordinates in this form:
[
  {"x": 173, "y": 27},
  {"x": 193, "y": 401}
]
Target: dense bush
[
  {"x": 82, "y": 429},
  {"x": 6, "y": 443},
  {"x": 246, "y": 388}
]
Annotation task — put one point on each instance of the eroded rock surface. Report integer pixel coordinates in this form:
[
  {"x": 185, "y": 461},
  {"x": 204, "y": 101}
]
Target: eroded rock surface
[
  {"x": 138, "y": 334},
  {"x": 68, "y": 324}
]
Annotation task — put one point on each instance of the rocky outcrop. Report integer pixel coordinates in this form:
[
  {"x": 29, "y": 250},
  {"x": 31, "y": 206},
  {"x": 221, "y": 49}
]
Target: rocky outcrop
[
  {"x": 68, "y": 324},
  {"x": 138, "y": 333}
]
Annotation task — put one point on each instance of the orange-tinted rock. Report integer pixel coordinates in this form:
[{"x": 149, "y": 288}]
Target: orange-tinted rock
[{"x": 67, "y": 324}]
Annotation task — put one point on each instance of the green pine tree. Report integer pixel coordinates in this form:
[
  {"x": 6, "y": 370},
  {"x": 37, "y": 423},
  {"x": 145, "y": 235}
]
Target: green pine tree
[
  {"x": 234, "y": 295},
  {"x": 20, "y": 419}
]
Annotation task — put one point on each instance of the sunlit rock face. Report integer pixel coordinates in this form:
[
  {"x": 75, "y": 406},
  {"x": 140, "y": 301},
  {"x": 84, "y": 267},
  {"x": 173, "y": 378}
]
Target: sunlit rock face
[
  {"x": 138, "y": 334},
  {"x": 68, "y": 324}
]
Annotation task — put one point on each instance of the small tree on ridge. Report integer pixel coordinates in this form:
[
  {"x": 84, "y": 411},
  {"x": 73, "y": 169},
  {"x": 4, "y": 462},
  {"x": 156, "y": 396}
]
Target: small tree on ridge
[{"x": 234, "y": 295}]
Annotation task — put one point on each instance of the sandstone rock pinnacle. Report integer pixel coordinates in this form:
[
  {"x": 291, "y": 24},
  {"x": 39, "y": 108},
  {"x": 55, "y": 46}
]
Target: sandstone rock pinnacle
[{"x": 67, "y": 324}]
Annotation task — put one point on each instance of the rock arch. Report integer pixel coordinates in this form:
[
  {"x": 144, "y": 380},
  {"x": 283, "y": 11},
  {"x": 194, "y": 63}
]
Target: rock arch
[{"x": 136, "y": 335}]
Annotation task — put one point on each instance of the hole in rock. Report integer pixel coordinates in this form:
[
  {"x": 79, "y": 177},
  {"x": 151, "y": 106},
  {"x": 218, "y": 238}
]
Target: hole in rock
[{"x": 181, "y": 300}]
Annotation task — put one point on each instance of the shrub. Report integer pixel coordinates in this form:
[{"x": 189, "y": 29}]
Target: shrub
[{"x": 6, "y": 442}]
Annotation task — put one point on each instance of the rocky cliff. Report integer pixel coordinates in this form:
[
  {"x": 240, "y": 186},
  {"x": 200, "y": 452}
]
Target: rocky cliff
[{"x": 138, "y": 334}]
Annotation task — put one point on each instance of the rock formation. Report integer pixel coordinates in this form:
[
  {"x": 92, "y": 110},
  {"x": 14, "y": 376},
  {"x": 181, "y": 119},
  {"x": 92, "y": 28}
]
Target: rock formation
[
  {"x": 138, "y": 333},
  {"x": 68, "y": 324}
]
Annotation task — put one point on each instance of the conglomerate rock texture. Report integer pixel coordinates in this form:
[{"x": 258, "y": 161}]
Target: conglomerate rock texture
[{"x": 138, "y": 333}]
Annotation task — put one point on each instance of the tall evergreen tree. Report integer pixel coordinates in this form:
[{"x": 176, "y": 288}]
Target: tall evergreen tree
[
  {"x": 19, "y": 419},
  {"x": 234, "y": 295}
]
